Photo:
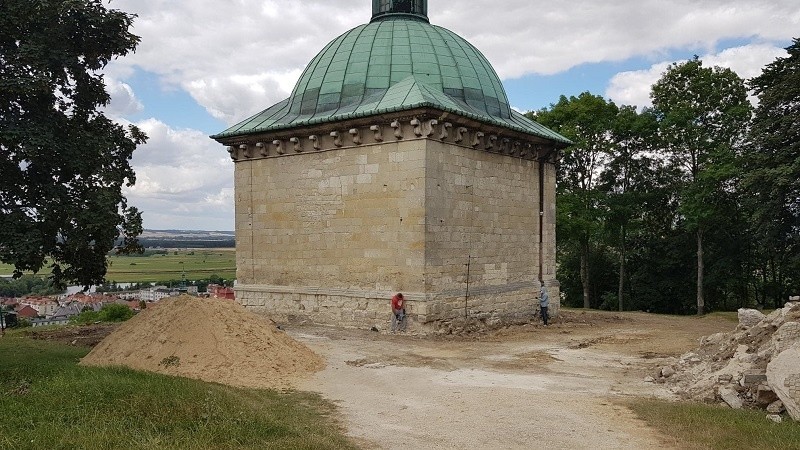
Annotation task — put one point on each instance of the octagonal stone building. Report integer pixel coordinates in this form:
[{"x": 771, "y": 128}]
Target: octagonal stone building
[{"x": 396, "y": 165}]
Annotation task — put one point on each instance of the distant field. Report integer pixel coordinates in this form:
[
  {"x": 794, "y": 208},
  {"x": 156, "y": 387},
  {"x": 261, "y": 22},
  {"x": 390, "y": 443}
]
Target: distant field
[{"x": 198, "y": 264}]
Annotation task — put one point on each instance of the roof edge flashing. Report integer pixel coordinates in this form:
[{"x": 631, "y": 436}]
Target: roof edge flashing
[{"x": 388, "y": 16}]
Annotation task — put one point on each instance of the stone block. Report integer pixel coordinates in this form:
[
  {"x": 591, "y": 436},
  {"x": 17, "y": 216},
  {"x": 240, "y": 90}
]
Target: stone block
[
  {"x": 730, "y": 397},
  {"x": 750, "y": 317},
  {"x": 783, "y": 375},
  {"x": 750, "y": 379}
]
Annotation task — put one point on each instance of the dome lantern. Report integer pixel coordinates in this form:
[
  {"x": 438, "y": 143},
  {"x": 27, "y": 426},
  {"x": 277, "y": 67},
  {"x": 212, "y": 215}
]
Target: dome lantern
[{"x": 386, "y": 8}]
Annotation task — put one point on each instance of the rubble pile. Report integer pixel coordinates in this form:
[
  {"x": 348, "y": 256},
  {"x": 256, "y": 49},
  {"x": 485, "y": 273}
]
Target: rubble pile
[{"x": 755, "y": 366}]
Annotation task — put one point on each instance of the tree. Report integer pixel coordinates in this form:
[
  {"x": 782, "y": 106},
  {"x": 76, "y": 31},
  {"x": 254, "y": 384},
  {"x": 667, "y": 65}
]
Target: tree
[
  {"x": 63, "y": 163},
  {"x": 627, "y": 179},
  {"x": 703, "y": 113},
  {"x": 587, "y": 120},
  {"x": 771, "y": 178}
]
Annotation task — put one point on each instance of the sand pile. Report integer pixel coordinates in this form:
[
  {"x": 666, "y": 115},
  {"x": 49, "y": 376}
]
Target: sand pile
[
  {"x": 757, "y": 365},
  {"x": 210, "y": 340}
]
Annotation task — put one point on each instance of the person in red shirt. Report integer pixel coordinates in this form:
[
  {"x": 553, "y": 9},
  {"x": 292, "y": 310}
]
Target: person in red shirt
[{"x": 398, "y": 312}]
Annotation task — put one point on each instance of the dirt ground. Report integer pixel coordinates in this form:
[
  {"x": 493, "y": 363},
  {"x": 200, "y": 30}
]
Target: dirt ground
[
  {"x": 560, "y": 387},
  {"x": 528, "y": 386}
]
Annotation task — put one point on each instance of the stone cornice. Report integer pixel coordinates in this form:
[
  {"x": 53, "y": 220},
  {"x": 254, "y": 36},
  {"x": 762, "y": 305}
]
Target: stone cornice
[{"x": 413, "y": 125}]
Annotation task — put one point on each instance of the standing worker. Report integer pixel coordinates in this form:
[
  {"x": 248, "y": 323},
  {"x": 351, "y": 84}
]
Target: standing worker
[
  {"x": 544, "y": 303},
  {"x": 398, "y": 312}
]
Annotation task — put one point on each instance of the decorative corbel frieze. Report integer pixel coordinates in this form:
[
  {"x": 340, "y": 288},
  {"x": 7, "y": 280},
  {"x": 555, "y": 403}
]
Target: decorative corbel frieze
[
  {"x": 398, "y": 129},
  {"x": 279, "y": 147},
  {"x": 491, "y": 142},
  {"x": 263, "y": 150},
  {"x": 314, "y": 141},
  {"x": 378, "y": 130},
  {"x": 356, "y": 133},
  {"x": 444, "y": 131},
  {"x": 337, "y": 138},
  {"x": 505, "y": 146},
  {"x": 246, "y": 150},
  {"x": 477, "y": 139},
  {"x": 430, "y": 128},
  {"x": 460, "y": 132},
  {"x": 515, "y": 148},
  {"x": 525, "y": 149},
  {"x": 297, "y": 146},
  {"x": 417, "y": 127},
  {"x": 232, "y": 152}
]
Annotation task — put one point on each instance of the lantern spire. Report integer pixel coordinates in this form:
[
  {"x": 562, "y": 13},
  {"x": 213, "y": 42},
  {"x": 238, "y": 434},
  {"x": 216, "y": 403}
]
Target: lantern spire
[{"x": 387, "y": 8}]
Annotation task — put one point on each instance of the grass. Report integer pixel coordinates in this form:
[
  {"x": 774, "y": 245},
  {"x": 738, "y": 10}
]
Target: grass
[
  {"x": 198, "y": 264},
  {"x": 717, "y": 427},
  {"x": 49, "y": 402}
]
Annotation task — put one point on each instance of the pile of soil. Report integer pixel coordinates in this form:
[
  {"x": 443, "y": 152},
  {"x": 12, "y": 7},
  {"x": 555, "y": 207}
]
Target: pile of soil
[{"x": 209, "y": 340}]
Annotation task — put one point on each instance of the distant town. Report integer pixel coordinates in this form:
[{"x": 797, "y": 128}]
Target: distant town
[{"x": 39, "y": 311}]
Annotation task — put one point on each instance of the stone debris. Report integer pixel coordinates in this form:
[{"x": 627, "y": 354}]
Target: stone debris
[
  {"x": 757, "y": 365},
  {"x": 775, "y": 418}
]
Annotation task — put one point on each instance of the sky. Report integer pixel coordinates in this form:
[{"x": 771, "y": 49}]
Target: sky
[{"x": 203, "y": 65}]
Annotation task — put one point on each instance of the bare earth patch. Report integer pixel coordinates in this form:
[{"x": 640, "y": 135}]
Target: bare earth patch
[{"x": 518, "y": 387}]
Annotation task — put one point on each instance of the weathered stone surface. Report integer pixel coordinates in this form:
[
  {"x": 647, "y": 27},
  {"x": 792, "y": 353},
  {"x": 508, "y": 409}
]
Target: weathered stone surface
[
  {"x": 667, "y": 372},
  {"x": 730, "y": 397},
  {"x": 749, "y": 379},
  {"x": 775, "y": 418},
  {"x": 776, "y": 407},
  {"x": 785, "y": 337},
  {"x": 783, "y": 375},
  {"x": 725, "y": 378},
  {"x": 649, "y": 379},
  {"x": 750, "y": 317}
]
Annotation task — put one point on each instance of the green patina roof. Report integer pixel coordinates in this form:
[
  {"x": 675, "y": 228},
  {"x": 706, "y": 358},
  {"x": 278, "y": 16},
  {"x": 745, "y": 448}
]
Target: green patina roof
[{"x": 395, "y": 63}]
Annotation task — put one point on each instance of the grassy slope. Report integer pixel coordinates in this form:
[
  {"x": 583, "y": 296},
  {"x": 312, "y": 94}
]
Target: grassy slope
[
  {"x": 49, "y": 402},
  {"x": 717, "y": 427},
  {"x": 155, "y": 268}
]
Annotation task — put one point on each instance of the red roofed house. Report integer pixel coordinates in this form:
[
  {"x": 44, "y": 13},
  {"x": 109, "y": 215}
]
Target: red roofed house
[{"x": 27, "y": 312}]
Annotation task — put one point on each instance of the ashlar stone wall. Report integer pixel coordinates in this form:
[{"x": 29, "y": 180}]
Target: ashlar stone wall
[{"x": 327, "y": 232}]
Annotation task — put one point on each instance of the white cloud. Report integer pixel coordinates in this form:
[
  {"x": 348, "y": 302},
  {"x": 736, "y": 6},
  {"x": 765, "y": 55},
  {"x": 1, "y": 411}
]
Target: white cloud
[
  {"x": 123, "y": 100},
  {"x": 236, "y": 58},
  {"x": 633, "y": 87},
  {"x": 183, "y": 180}
]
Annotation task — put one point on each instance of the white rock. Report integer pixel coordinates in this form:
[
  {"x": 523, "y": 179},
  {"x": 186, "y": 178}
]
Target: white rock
[
  {"x": 775, "y": 418},
  {"x": 667, "y": 372},
  {"x": 786, "y": 336},
  {"x": 649, "y": 379},
  {"x": 750, "y": 317},
  {"x": 730, "y": 397},
  {"x": 775, "y": 407},
  {"x": 783, "y": 376}
]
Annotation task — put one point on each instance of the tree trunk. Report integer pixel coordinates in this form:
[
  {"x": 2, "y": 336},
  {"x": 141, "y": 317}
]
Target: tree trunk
[
  {"x": 585, "y": 274},
  {"x": 701, "y": 303},
  {"x": 621, "y": 268}
]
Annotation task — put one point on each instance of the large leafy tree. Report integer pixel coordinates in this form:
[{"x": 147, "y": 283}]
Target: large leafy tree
[
  {"x": 703, "y": 114},
  {"x": 771, "y": 180},
  {"x": 587, "y": 120},
  {"x": 628, "y": 181},
  {"x": 63, "y": 163}
]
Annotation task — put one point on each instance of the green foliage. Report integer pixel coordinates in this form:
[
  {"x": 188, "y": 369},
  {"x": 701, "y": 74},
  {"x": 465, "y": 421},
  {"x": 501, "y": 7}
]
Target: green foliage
[
  {"x": 703, "y": 115},
  {"x": 86, "y": 317},
  {"x": 771, "y": 179},
  {"x": 49, "y": 401},
  {"x": 64, "y": 163},
  {"x": 108, "y": 313},
  {"x": 115, "y": 313},
  {"x": 27, "y": 285}
]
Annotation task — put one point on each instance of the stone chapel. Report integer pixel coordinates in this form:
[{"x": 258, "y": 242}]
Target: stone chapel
[{"x": 396, "y": 165}]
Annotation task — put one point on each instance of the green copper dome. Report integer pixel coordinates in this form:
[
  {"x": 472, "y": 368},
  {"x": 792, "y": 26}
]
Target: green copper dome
[{"x": 397, "y": 62}]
